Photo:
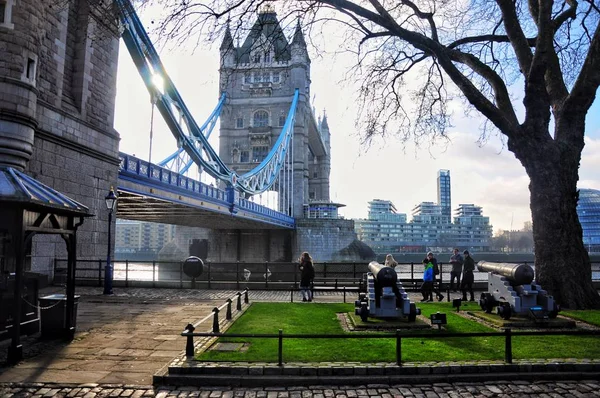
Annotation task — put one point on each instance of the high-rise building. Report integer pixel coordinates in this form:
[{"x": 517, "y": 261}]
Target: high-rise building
[
  {"x": 444, "y": 193},
  {"x": 588, "y": 210}
]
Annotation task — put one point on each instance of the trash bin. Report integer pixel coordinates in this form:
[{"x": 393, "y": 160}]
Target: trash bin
[{"x": 53, "y": 314}]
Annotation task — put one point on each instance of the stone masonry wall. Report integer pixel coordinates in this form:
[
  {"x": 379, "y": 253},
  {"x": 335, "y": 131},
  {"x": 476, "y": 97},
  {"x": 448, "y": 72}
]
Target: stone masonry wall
[
  {"x": 325, "y": 240},
  {"x": 224, "y": 245},
  {"x": 75, "y": 147}
]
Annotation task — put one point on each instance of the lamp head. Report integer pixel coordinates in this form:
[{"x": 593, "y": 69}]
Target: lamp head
[{"x": 111, "y": 200}]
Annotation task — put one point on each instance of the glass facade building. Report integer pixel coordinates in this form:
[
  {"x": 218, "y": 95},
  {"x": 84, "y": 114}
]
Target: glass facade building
[
  {"x": 588, "y": 210},
  {"x": 444, "y": 193}
]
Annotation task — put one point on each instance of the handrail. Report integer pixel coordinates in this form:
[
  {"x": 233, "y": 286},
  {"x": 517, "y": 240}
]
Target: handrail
[
  {"x": 144, "y": 273},
  {"x": 398, "y": 335}
]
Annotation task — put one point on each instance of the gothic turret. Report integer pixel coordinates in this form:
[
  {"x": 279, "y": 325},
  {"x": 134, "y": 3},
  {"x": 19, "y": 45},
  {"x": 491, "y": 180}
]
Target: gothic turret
[
  {"x": 227, "y": 48},
  {"x": 298, "y": 46}
]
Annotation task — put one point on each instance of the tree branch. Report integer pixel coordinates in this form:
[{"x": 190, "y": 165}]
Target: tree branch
[
  {"x": 500, "y": 91},
  {"x": 487, "y": 38},
  {"x": 428, "y": 16},
  {"x": 515, "y": 34},
  {"x": 571, "y": 12},
  {"x": 584, "y": 91},
  {"x": 537, "y": 99}
]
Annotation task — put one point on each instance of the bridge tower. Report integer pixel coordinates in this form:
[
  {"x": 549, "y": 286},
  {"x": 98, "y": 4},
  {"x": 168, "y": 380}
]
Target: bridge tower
[
  {"x": 57, "y": 93},
  {"x": 260, "y": 77}
]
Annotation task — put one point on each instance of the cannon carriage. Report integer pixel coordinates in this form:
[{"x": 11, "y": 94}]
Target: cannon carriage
[
  {"x": 512, "y": 291},
  {"x": 384, "y": 296}
]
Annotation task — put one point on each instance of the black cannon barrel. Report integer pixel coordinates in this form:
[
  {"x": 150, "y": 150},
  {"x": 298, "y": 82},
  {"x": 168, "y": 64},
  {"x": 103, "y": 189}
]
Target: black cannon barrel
[
  {"x": 385, "y": 276},
  {"x": 520, "y": 274}
]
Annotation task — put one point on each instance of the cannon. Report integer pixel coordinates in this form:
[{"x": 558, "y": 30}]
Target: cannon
[
  {"x": 513, "y": 291},
  {"x": 384, "y": 296}
]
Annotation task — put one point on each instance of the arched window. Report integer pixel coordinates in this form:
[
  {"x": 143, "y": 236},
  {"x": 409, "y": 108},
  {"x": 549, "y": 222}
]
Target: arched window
[{"x": 261, "y": 119}]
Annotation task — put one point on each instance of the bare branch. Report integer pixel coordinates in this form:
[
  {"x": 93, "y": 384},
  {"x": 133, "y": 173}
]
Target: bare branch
[
  {"x": 515, "y": 34},
  {"x": 428, "y": 16},
  {"x": 569, "y": 13},
  {"x": 584, "y": 91},
  {"x": 487, "y": 38}
]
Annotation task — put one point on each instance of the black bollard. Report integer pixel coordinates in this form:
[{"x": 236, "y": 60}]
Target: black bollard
[
  {"x": 216, "y": 320},
  {"x": 239, "y": 302},
  {"x": 189, "y": 346},
  {"x": 246, "y": 301},
  {"x": 228, "y": 314}
]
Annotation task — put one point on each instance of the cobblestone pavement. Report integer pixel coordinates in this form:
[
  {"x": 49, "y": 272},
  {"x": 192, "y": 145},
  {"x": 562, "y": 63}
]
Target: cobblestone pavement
[{"x": 441, "y": 390}]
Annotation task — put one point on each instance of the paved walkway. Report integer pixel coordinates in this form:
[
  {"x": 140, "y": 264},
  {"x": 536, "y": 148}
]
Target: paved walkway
[{"x": 122, "y": 340}]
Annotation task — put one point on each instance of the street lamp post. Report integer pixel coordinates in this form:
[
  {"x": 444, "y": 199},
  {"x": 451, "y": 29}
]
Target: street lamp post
[{"x": 111, "y": 201}]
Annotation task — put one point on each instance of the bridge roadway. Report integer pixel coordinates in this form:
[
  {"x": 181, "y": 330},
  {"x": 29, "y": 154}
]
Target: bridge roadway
[
  {"x": 122, "y": 340},
  {"x": 148, "y": 192}
]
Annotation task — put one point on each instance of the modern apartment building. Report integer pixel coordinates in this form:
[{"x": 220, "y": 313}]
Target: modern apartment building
[
  {"x": 136, "y": 236},
  {"x": 431, "y": 226}
]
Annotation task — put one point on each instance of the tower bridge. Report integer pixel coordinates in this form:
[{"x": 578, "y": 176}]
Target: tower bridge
[{"x": 58, "y": 86}]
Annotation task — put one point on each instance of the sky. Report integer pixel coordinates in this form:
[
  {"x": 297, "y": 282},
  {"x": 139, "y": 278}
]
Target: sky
[{"x": 487, "y": 175}]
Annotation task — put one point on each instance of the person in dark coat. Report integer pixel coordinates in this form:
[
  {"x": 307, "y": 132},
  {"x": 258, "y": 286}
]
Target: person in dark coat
[
  {"x": 307, "y": 274},
  {"x": 457, "y": 261},
  {"x": 467, "y": 276}
]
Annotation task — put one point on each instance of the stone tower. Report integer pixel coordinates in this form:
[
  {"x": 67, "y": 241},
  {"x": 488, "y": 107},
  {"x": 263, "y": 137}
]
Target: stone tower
[
  {"x": 260, "y": 77},
  {"x": 57, "y": 94}
]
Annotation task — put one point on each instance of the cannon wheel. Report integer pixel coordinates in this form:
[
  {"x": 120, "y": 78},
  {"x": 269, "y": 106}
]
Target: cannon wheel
[
  {"x": 504, "y": 310},
  {"x": 412, "y": 316},
  {"x": 486, "y": 302},
  {"x": 552, "y": 314},
  {"x": 364, "y": 313}
]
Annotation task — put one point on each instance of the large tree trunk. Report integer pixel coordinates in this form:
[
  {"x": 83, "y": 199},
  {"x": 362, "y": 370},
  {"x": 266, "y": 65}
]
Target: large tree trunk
[{"x": 562, "y": 264}]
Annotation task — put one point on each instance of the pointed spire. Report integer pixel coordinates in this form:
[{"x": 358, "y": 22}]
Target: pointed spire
[
  {"x": 324, "y": 124},
  {"x": 227, "y": 39},
  {"x": 298, "y": 35}
]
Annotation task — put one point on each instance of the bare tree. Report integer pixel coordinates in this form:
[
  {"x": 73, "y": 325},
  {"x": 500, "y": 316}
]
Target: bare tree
[{"x": 474, "y": 50}]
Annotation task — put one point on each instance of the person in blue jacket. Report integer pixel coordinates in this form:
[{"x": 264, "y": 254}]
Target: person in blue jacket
[{"x": 427, "y": 286}]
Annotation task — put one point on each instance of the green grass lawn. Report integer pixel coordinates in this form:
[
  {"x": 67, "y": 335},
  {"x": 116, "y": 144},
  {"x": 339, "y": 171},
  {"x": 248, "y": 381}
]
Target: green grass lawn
[
  {"x": 317, "y": 318},
  {"x": 592, "y": 317}
]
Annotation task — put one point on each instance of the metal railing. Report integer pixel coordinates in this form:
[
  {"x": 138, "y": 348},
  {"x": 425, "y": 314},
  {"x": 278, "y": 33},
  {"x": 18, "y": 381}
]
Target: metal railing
[
  {"x": 189, "y": 329},
  {"x": 398, "y": 336},
  {"x": 238, "y": 275}
]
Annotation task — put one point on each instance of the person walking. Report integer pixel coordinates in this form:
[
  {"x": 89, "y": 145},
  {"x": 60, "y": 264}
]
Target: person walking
[
  {"x": 467, "y": 277},
  {"x": 436, "y": 271},
  {"x": 307, "y": 274},
  {"x": 427, "y": 286},
  {"x": 457, "y": 261}
]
